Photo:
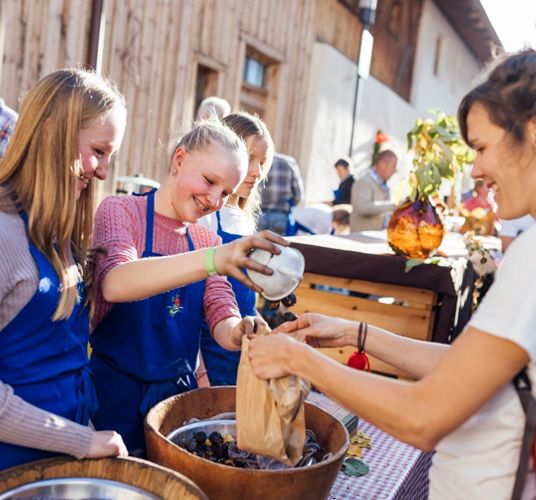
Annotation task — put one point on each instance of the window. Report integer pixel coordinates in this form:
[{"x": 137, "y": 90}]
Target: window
[
  {"x": 205, "y": 84},
  {"x": 254, "y": 72},
  {"x": 260, "y": 80}
]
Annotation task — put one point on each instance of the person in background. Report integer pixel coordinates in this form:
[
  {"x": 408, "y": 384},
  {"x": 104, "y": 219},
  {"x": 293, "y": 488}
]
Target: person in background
[
  {"x": 70, "y": 125},
  {"x": 371, "y": 199},
  {"x": 237, "y": 218},
  {"x": 463, "y": 403},
  {"x": 8, "y": 118},
  {"x": 313, "y": 219},
  {"x": 282, "y": 191},
  {"x": 213, "y": 107},
  {"x": 158, "y": 274},
  {"x": 511, "y": 229},
  {"x": 344, "y": 193},
  {"x": 480, "y": 198},
  {"x": 341, "y": 219}
]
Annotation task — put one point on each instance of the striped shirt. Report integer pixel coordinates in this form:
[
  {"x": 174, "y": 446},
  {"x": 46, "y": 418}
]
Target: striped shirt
[
  {"x": 8, "y": 118},
  {"x": 284, "y": 186}
]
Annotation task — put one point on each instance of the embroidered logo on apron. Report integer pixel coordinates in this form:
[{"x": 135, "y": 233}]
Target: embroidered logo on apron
[{"x": 176, "y": 306}]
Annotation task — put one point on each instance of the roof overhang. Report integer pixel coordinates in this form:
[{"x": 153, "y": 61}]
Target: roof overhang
[{"x": 472, "y": 24}]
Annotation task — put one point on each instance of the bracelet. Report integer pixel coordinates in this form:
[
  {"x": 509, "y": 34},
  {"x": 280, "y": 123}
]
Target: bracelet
[
  {"x": 210, "y": 261},
  {"x": 362, "y": 337},
  {"x": 201, "y": 374}
]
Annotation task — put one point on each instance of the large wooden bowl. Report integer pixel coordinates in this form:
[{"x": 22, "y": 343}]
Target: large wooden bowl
[
  {"x": 222, "y": 482},
  {"x": 152, "y": 478}
]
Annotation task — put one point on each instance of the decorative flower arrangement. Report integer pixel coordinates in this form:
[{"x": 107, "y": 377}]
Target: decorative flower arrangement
[
  {"x": 483, "y": 263},
  {"x": 379, "y": 139},
  {"x": 415, "y": 229},
  {"x": 439, "y": 153}
]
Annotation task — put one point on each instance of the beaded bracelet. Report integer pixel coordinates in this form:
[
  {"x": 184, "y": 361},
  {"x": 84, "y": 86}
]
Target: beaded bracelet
[
  {"x": 362, "y": 337},
  {"x": 359, "y": 359}
]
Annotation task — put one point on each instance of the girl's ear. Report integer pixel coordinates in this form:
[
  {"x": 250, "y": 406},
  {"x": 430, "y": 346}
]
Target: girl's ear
[{"x": 176, "y": 160}]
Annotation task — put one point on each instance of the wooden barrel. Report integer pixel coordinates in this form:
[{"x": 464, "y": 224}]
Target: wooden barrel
[
  {"x": 222, "y": 482},
  {"x": 159, "y": 481}
]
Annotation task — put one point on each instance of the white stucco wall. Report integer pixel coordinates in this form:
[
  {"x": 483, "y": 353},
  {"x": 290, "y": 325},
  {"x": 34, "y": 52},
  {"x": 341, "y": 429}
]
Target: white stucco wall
[{"x": 330, "y": 103}]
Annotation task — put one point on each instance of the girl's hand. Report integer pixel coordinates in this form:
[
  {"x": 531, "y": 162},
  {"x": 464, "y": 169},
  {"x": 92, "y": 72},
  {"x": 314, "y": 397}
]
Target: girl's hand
[
  {"x": 248, "y": 326},
  {"x": 270, "y": 355},
  {"x": 232, "y": 257},
  {"x": 321, "y": 331},
  {"x": 106, "y": 444}
]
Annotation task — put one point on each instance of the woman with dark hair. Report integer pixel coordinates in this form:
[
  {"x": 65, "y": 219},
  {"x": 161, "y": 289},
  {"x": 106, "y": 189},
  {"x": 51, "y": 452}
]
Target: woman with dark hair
[{"x": 463, "y": 404}]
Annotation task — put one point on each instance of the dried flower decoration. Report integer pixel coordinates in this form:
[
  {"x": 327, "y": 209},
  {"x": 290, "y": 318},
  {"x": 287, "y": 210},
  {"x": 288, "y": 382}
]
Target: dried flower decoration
[{"x": 379, "y": 139}]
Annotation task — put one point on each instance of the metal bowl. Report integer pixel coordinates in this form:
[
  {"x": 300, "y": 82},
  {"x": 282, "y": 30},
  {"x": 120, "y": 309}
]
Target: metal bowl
[
  {"x": 184, "y": 434},
  {"x": 77, "y": 488}
]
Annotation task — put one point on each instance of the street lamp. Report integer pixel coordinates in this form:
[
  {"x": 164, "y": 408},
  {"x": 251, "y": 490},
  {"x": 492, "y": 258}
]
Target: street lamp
[{"x": 367, "y": 16}]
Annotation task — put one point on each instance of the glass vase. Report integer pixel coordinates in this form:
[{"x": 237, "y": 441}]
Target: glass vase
[{"x": 415, "y": 229}]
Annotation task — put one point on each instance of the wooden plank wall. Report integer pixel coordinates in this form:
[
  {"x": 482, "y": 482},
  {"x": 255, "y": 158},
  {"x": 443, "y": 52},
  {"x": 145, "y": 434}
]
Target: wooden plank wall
[
  {"x": 38, "y": 37},
  {"x": 151, "y": 49}
]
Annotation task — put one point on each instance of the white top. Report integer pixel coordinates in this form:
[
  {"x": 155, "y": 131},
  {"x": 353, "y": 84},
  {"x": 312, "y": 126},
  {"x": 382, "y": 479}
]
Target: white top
[
  {"x": 233, "y": 220},
  {"x": 479, "y": 460},
  {"x": 513, "y": 227},
  {"x": 318, "y": 218}
]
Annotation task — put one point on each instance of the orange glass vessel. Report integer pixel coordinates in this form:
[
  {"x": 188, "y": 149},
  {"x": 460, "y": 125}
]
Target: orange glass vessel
[{"x": 415, "y": 229}]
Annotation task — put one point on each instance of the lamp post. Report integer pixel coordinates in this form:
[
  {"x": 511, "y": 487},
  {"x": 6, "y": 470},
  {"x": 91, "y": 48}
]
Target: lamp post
[{"x": 367, "y": 16}]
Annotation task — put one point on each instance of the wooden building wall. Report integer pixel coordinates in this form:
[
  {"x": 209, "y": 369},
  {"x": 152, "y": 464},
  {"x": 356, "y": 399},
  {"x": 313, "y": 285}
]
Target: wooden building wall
[{"x": 152, "y": 50}]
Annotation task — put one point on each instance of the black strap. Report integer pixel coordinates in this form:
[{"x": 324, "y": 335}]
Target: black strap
[{"x": 524, "y": 391}]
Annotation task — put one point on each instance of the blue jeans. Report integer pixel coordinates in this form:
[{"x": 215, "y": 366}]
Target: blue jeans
[{"x": 275, "y": 221}]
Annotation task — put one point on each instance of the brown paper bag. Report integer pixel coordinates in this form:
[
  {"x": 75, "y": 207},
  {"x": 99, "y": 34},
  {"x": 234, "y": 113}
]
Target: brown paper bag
[{"x": 270, "y": 418}]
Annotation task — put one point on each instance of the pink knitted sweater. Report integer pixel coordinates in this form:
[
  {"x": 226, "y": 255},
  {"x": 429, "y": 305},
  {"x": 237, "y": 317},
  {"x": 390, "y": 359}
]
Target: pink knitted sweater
[{"x": 120, "y": 224}]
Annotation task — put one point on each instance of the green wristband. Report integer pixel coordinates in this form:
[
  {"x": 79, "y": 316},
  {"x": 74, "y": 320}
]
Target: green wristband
[{"x": 210, "y": 261}]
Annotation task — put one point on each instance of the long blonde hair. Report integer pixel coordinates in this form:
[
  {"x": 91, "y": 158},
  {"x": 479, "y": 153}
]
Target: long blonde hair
[
  {"x": 40, "y": 169},
  {"x": 246, "y": 125}
]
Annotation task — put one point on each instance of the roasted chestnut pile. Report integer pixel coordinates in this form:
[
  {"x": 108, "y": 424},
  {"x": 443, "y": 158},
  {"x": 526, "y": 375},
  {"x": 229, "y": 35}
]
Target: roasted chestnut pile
[{"x": 214, "y": 447}]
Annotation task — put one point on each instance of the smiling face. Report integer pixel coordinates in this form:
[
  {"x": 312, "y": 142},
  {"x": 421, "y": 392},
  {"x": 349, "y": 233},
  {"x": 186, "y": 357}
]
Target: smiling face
[
  {"x": 257, "y": 168},
  {"x": 200, "y": 182},
  {"x": 96, "y": 145},
  {"x": 505, "y": 166}
]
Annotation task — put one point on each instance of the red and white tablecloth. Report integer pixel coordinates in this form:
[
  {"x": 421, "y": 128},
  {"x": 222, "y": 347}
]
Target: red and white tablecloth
[{"x": 397, "y": 471}]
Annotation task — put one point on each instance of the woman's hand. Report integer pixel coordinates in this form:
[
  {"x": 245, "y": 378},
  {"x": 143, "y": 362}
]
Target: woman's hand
[
  {"x": 247, "y": 326},
  {"x": 106, "y": 444},
  {"x": 231, "y": 258},
  {"x": 321, "y": 331},
  {"x": 270, "y": 355}
]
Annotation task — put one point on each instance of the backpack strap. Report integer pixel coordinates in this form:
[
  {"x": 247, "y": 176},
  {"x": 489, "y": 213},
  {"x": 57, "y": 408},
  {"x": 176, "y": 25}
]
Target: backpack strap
[{"x": 524, "y": 390}]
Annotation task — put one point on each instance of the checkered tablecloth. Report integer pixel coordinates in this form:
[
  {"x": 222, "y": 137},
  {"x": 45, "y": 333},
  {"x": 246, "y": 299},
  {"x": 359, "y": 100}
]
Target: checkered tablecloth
[{"x": 397, "y": 470}]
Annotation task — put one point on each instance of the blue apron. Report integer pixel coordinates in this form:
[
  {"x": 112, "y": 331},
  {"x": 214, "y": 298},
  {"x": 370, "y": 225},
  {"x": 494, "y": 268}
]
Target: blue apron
[
  {"x": 145, "y": 351},
  {"x": 222, "y": 365},
  {"x": 46, "y": 361}
]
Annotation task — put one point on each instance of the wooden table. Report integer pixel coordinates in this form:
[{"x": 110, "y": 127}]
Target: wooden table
[{"x": 358, "y": 277}]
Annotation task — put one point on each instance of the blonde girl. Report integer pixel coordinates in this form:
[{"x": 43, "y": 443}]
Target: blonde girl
[
  {"x": 161, "y": 275},
  {"x": 238, "y": 217},
  {"x": 70, "y": 124}
]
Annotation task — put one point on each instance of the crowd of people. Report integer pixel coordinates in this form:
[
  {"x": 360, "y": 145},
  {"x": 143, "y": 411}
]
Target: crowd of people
[{"x": 160, "y": 280}]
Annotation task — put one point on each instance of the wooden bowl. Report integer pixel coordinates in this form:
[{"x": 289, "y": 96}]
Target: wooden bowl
[
  {"x": 152, "y": 478},
  {"x": 222, "y": 482}
]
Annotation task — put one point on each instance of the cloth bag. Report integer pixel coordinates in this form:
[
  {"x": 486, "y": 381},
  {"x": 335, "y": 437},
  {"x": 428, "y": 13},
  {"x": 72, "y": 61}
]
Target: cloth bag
[{"x": 270, "y": 418}]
